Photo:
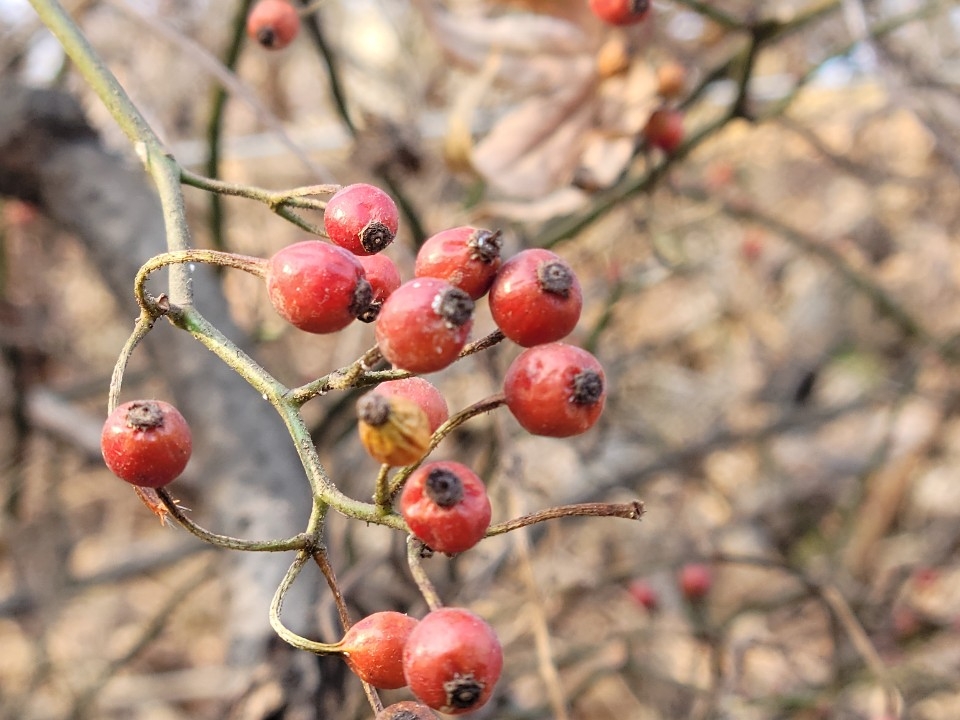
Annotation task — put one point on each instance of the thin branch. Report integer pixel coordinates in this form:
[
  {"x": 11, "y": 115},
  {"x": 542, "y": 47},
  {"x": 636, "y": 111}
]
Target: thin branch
[
  {"x": 215, "y": 121},
  {"x": 415, "y": 551},
  {"x": 628, "y": 511},
  {"x": 297, "y": 542}
]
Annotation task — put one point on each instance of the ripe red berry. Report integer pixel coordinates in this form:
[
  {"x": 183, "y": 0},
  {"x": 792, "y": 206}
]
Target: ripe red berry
[
  {"x": 621, "y": 12},
  {"x": 406, "y": 710},
  {"x": 452, "y": 661},
  {"x": 466, "y": 257},
  {"x": 644, "y": 594},
  {"x": 424, "y": 324},
  {"x": 445, "y": 505},
  {"x": 317, "y": 287},
  {"x": 695, "y": 581},
  {"x": 423, "y": 393},
  {"x": 146, "y": 442},
  {"x": 536, "y": 298},
  {"x": 361, "y": 218},
  {"x": 373, "y": 648},
  {"x": 557, "y": 390},
  {"x": 273, "y": 23},
  {"x": 384, "y": 278},
  {"x": 664, "y": 129}
]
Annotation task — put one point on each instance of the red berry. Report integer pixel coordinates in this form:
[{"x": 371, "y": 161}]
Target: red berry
[
  {"x": 361, "y": 218},
  {"x": 373, "y": 648},
  {"x": 317, "y": 287},
  {"x": 146, "y": 442},
  {"x": 466, "y": 257},
  {"x": 445, "y": 505},
  {"x": 452, "y": 661},
  {"x": 664, "y": 129},
  {"x": 644, "y": 594},
  {"x": 695, "y": 580},
  {"x": 621, "y": 12},
  {"x": 557, "y": 390},
  {"x": 384, "y": 278},
  {"x": 406, "y": 710},
  {"x": 536, "y": 298},
  {"x": 424, "y": 324},
  {"x": 273, "y": 23},
  {"x": 423, "y": 393}
]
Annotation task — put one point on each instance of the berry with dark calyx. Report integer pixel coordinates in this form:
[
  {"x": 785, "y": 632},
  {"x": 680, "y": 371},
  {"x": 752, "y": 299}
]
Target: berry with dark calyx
[
  {"x": 424, "y": 324},
  {"x": 452, "y": 661},
  {"x": 317, "y": 287},
  {"x": 406, "y": 710},
  {"x": 274, "y": 24},
  {"x": 664, "y": 129},
  {"x": 695, "y": 581},
  {"x": 445, "y": 505},
  {"x": 621, "y": 12},
  {"x": 373, "y": 648},
  {"x": 536, "y": 298},
  {"x": 146, "y": 442},
  {"x": 384, "y": 278},
  {"x": 466, "y": 257},
  {"x": 423, "y": 393},
  {"x": 361, "y": 218},
  {"x": 394, "y": 430},
  {"x": 556, "y": 390}
]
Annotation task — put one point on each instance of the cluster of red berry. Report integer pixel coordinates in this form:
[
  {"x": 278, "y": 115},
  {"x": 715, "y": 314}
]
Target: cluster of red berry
[{"x": 451, "y": 659}]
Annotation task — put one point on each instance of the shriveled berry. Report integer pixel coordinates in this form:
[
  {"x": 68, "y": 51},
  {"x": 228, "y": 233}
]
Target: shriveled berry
[
  {"x": 394, "y": 430},
  {"x": 146, "y": 442},
  {"x": 361, "y": 218},
  {"x": 273, "y": 23},
  {"x": 466, "y": 257},
  {"x": 373, "y": 648},
  {"x": 424, "y": 324},
  {"x": 621, "y": 12},
  {"x": 452, "y": 661},
  {"x": 664, "y": 129},
  {"x": 536, "y": 298},
  {"x": 557, "y": 390},
  {"x": 384, "y": 278},
  {"x": 406, "y": 710},
  {"x": 423, "y": 393},
  {"x": 671, "y": 79},
  {"x": 317, "y": 287},
  {"x": 445, "y": 505}
]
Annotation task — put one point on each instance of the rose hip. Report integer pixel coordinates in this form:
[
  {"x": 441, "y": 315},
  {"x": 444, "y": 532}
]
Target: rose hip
[
  {"x": 557, "y": 390},
  {"x": 466, "y": 257},
  {"x": 536, "y": 298},
  {"x": 424, "y": 324}
]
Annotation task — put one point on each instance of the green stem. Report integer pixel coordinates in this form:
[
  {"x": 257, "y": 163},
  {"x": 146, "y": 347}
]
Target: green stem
[
  {"x": 276, "y": 607},
  {"x": 415, "y": 551},
  {"x": 143, "y": 325},
  {"x": 159, "y": 163},
  {"x": 297, "y": 542},
  {"x": 253, "y": 265}
]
